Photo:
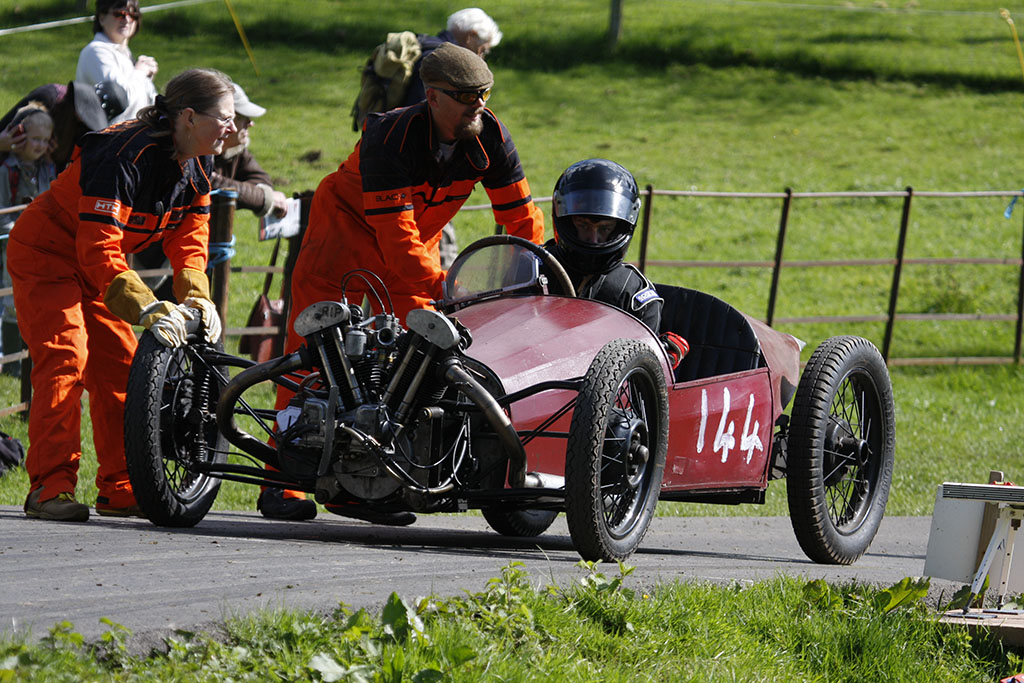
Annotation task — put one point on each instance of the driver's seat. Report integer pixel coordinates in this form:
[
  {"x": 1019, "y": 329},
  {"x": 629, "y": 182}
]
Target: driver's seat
[{"x": 720, "y": 338}]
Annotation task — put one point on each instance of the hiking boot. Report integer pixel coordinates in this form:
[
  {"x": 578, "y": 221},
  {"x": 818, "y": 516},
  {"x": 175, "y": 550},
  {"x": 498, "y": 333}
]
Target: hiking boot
[
  {"x": 272, "y": 504},
  {"x": 367, "y": 514},
  {"x": 63, "y": 508}
]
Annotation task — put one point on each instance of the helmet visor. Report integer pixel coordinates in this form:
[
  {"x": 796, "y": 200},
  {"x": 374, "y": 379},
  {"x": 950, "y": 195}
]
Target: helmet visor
[{"x": 598, "y": 203}]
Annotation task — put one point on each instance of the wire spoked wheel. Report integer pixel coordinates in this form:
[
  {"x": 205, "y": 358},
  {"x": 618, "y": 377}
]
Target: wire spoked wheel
[
  {"x": 841, "y": 450},
  {"x": 170, "y": 428},
  {"x": 615, "y": 458}
]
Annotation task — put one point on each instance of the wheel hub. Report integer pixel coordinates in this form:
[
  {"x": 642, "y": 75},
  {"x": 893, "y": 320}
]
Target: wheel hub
[
  {"x": 857, "y": 449},
  {"x": 632, "y": 454},
  {"x": 843, "y": 451}
]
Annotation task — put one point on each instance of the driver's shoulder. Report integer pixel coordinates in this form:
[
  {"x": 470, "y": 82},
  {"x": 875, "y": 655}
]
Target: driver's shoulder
[{"x": 629, "y": 278}]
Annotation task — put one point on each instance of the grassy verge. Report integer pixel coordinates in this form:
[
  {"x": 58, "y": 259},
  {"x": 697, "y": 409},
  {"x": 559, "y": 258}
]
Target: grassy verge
[{"x": 596, "y": 629}]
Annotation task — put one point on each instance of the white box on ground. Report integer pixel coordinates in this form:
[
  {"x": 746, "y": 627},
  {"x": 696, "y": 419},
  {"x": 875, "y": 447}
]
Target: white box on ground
[{"x": 956, "y": 532}]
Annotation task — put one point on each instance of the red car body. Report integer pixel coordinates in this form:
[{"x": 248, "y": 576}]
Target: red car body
[{"x": 720, "y": 427}]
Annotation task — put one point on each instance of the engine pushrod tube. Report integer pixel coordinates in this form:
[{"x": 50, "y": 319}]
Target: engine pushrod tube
[
  {"x": 231, "y": 393},
  {"x": 399, "y": 373},
  {"x": 459, "y": 378},
  {"x": 334, "y": 337},
  {"x": 402, "y": 413}
]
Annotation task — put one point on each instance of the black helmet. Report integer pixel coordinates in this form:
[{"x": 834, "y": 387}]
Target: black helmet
[{"x": 599, "y": 188}]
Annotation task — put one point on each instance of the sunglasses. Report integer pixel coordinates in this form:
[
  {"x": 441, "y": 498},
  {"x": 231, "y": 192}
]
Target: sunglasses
[
  {"x": 467, "y": 97},
  {"x": 125, "y": 14}
]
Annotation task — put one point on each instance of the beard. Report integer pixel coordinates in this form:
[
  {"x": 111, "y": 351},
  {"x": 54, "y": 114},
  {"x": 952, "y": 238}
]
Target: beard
[{"x": 469, "y": 129}]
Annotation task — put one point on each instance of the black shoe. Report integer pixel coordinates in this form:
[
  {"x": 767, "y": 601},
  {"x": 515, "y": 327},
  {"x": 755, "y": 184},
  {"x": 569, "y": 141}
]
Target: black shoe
[
  {"x": 367, "y": 514},
  {"x": 273, "y": 505}
]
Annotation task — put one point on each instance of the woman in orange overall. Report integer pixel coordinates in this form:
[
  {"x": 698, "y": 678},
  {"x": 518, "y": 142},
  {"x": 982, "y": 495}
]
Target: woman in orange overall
[{"x": 137, "y": 182}]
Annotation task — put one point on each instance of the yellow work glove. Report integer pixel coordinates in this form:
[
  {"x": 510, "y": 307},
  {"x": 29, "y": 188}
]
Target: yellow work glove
[
  {"x": 127, "y": 295},
  {"x": 168, "y": 322},
  {"x": 189, "y": 283},
  {"x": 208, "y": 312}
]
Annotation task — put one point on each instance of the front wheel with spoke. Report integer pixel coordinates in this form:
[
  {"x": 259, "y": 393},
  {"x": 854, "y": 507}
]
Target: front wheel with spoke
[
  {"x": 170, "y": 429},
  {"x": 841, "y": 450},
  {"x": 615, "y": 456}
]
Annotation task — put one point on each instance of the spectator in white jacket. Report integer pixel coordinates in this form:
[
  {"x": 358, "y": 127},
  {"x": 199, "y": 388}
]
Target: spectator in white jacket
[{"x": 107, "y": 57}]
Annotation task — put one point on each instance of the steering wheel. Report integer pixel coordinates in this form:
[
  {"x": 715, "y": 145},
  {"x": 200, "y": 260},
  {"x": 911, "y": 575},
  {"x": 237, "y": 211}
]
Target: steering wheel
[{"x": 562, "y": 283}]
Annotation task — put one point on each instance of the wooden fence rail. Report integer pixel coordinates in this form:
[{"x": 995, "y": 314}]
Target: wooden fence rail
[{"x": 897, "y": 262}]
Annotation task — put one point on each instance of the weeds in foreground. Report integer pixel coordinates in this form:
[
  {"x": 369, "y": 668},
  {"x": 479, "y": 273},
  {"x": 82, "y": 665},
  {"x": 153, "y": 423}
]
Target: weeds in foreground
[{"x": 596, "y": 629}]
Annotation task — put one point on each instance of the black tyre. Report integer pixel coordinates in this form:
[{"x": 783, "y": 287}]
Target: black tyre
[
  {"x": 526, "y": 523},
  {"x": 615, "y": 456},
  {"x": 169, "y": 427},
  {"x": 841, "y": 450}
]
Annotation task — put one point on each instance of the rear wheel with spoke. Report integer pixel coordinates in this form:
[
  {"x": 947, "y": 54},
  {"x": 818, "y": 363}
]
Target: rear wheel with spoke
[
  {"x": 525, "y": 523},
  {"x": 841, "y": 450}
]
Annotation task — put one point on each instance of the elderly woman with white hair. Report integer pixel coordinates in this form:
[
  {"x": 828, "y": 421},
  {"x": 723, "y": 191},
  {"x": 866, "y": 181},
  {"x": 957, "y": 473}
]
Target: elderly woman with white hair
[
  {"x": 474, "y": 30},
  {"x": 470, "y": 28}
]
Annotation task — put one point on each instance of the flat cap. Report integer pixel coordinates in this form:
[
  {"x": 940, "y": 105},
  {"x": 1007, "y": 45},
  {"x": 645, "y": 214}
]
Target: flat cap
[{"x": 460, "y": 67}]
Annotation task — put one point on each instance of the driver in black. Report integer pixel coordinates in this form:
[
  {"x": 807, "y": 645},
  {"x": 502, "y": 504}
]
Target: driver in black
[{"x": 595, "y": 208}]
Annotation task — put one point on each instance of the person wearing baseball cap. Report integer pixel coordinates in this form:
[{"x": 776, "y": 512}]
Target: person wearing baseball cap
[
  {"x": 237, "y": 169},
  {"x": 385, "y": 206}
]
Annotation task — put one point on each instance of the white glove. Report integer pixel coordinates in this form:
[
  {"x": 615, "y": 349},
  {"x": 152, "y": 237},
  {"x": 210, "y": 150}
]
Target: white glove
[
  {"x": 167, "y": 322},
  {"x": 209, "y": 315}
]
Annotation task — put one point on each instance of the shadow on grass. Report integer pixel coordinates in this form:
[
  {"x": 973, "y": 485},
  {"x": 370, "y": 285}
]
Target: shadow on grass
[
  {"x": 557, "y": 54},
  {"x": 554, "y": 53}
]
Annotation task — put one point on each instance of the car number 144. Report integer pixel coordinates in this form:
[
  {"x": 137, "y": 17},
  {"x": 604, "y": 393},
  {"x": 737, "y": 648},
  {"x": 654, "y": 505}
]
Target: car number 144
[{"x": 725, "y": 439}]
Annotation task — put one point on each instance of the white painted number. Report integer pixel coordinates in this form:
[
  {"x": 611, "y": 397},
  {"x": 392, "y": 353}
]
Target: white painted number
[
  {"x": 749, "y": 440},
  {"x": 725, "y": 439}
]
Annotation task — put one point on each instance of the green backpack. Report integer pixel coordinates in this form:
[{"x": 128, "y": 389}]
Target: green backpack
[{"x": 386, "y": 76}]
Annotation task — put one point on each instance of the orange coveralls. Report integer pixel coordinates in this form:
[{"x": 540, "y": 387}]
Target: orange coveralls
[
  {"x": 122, "y": 191},
  {"x": 385, "y": 206}
]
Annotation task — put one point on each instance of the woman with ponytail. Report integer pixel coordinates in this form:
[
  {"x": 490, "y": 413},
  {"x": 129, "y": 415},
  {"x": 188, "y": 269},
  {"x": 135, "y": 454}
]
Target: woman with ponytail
[{"x": 128, "y": 186}]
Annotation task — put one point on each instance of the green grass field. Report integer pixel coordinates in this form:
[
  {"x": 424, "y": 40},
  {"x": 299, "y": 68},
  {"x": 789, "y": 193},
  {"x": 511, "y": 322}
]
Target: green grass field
[{"x": 713, "y": 96}]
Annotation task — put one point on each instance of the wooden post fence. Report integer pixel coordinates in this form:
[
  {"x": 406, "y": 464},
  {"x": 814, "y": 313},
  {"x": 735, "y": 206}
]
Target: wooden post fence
[{"x": 222, "y": 219}]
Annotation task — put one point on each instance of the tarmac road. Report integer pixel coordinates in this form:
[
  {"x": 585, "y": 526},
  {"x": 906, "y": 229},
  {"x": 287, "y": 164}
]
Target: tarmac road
[{"x": 152, "y": 580}]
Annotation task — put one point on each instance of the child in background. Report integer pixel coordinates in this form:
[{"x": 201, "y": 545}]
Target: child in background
[{"x": 24, "y": 174}]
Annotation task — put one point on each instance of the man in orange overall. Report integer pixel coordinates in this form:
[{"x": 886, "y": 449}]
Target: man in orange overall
[{"x": 384, "y": 208}]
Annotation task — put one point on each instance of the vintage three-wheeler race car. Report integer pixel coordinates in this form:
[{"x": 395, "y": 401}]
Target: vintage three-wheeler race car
[{"x": 521, "y": 400}]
